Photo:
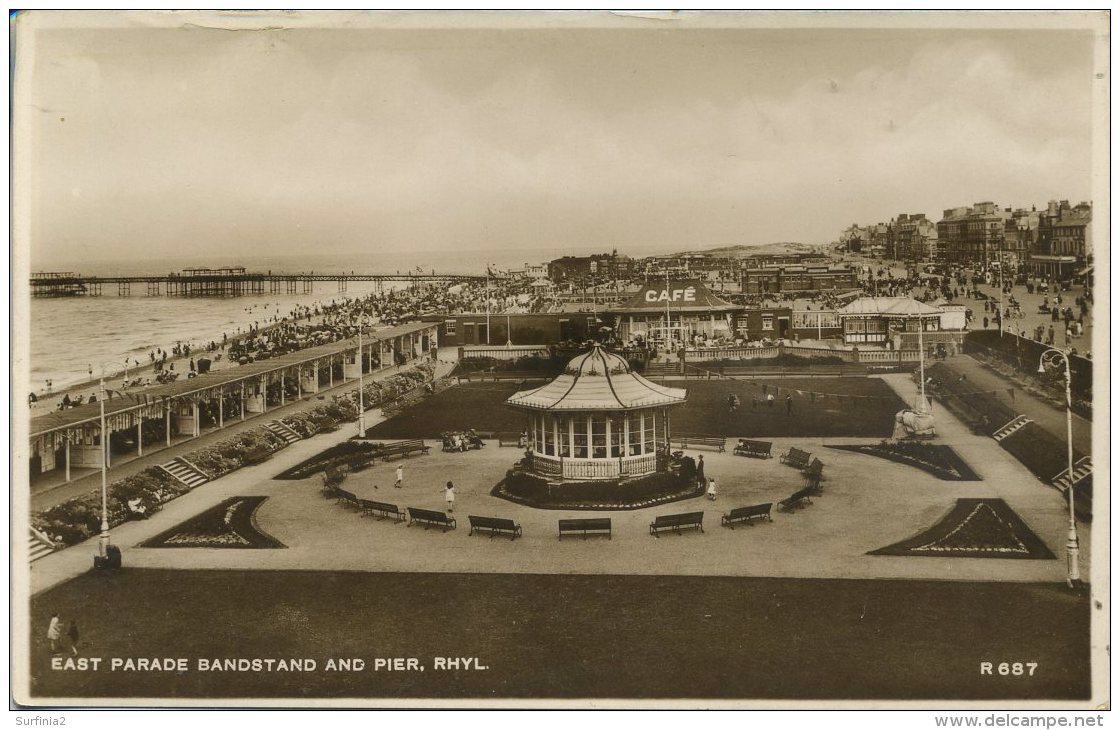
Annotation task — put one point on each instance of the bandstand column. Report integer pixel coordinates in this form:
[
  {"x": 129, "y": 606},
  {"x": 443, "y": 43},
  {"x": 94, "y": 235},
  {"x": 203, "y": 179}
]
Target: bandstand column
[
  {"x": 242, "y": 400},
  {"x": 67, "y": 456},
  {"x": 283, "y": 387},
  {"x": 167, "y": 420},
  {"x": 139, "y": 436},
  {"x": 221, "y": 410}
]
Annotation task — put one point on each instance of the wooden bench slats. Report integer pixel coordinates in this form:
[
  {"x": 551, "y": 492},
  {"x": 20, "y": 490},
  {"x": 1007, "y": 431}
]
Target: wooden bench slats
[
  {"x": 495, "y": 526},
  {"x": 403, "y": 448},
  {"x": 796, "y": 458},
  {"x": 747, "y": 514},
  {"x": 754, "y": 449},
  {"x": 509, "y": 439},
  {"x": 381, "y": 509},
  {"x": 586, "y": 526},
  {"x": 676, "y": 523},
  {"x": 698, "y": 439},
  {"x": 430, "y": 517},
  {"x": 794, "y": 500}
]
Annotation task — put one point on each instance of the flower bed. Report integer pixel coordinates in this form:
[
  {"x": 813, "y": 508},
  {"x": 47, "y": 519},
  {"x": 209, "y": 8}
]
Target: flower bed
[
  {"x": 648, "y": 491},
  {"x": 79, "y": 518},
  {"x": 975, "y": 528},
  {"x": 352, "y": 453},
  {"x": 227, "y": 525},
  {"x": 936, "y": 459}
]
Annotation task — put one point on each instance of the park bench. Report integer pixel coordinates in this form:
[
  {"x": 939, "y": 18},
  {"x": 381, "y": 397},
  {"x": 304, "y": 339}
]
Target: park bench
[
  {"x": 796, "y": 458},
  {"x": 687, "y": 440},
  {"x": 676, "y": 523},
  {"x": 814, "y": 475},
  {"x": 796, "y": 499},
  {"x": 586, "y": 526},
  {"x": 349, "y": 498},
  {"x": 381, "y": 509},
  {"x": 403, "y": 448},
  {"x": 430, "y": 517},
  {"x": 362, "y": 460},
  {"x": 509, "y": 438},
  {"x": 747, "y": 514},
  {"x": 754, "y": 449},
  {"x": 495, "y": 526}
]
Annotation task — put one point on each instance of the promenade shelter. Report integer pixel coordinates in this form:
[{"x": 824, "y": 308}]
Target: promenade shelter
[
  {"x": 151, "y": 418},
  {"x": 597, "y": 420}
]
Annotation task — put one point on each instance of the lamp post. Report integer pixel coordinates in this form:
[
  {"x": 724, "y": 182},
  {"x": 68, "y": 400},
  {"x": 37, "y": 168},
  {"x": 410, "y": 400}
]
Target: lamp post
[
  {"x": 1053, "y": 356},
  {"x": 361, "y": 383},
  {"x": 103, "y": 541}
]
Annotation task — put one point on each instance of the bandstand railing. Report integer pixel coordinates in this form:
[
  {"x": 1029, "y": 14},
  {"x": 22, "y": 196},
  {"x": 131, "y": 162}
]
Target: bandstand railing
[{"x": 606, "y": 468}]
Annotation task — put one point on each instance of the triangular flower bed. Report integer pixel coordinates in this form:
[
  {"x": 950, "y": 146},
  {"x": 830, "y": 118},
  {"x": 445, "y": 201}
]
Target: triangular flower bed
[
  {"x": 227, "y": 525},
  {"x": 936, "y": 459},
  {"x": 975, "y": 528}
]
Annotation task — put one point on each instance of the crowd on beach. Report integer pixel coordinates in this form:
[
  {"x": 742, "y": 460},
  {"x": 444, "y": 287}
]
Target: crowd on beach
[{"x": 271, "y": 332}]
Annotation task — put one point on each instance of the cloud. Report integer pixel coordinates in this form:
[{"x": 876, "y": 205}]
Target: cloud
[{"x": 290, "y": 144}]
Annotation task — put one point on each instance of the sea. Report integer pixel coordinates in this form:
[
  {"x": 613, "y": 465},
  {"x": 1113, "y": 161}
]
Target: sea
[{"x": 71, "y": 336}]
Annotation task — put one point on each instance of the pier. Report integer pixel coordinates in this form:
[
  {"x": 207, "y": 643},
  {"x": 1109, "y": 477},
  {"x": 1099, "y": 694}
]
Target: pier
[{"x": 233, "y": 281}]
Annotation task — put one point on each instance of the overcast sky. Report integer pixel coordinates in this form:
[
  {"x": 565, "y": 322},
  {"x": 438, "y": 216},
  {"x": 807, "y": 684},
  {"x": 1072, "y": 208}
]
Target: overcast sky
[{"x": 192, "y": 140}]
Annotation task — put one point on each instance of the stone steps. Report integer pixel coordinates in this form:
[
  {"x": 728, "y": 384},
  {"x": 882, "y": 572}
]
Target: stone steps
[
  {"x": 185, "y": 472},
  {"x": 1081, "y": 469},
  {"x": 283, "y": 431},
  {"x": 39, "y": 546},
  {"x": 1010, "y": 427}
]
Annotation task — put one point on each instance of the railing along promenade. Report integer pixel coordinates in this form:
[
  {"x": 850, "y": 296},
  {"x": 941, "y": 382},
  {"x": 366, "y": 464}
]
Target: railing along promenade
[{"x": 218, "y": 282}]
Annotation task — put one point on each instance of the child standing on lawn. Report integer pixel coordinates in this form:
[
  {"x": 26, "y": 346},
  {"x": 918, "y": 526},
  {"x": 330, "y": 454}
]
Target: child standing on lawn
[
  {"x": 712, "y": 488},
  {"x": 400, "y": 475},
  {"x": 449, "y": 495}
]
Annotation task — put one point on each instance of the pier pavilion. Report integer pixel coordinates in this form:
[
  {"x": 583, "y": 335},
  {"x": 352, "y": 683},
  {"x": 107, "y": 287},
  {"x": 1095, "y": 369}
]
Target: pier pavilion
[
  {"x": 149, "y": 419},
  {"x": 597, "y": 420}
]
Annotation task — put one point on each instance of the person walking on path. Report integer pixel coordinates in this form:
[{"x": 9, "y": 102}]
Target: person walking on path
[
  {"x": 54, "y": 633},
  {"x": 74, "y": 635},
  {"x": 770, "y": 400},
  {"x": 789, "y": 404},
  {"x": 449, "y": 496},
  {"x": 712, "y": 489},
  {"x": 700, "y": 480},
  {"x": 400, "y": 476}
]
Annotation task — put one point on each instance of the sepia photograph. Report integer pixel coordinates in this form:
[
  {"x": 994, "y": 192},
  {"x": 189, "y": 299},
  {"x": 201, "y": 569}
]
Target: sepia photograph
[{"x": 463, "y": 359}]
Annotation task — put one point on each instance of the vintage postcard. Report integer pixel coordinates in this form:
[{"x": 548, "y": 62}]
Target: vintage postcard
[{"x": 560, "y": 359}]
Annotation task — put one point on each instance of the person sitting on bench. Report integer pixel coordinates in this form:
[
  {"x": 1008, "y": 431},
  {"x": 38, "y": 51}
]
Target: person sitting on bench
[{"x": 137, "y": 510}]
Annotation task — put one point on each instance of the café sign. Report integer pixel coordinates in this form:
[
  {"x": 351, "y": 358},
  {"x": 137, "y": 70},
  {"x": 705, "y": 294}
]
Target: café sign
[{"x": 687, "y": 294}]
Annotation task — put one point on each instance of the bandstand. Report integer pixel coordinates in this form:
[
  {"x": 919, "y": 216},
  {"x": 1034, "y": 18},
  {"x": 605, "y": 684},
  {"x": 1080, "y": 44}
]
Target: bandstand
[{"x": 597, "y": 420}]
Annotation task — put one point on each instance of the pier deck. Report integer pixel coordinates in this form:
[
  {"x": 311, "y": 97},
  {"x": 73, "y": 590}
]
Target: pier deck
[{"x": 215, "y": 282}]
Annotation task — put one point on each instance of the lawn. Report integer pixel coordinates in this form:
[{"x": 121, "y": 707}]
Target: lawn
[
  {"x": 570, "y": 636},
  {"x": 841, "y": 407}
]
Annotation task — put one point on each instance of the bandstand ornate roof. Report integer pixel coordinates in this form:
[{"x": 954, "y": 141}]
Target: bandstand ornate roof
[{"x": 598, "y": 381}]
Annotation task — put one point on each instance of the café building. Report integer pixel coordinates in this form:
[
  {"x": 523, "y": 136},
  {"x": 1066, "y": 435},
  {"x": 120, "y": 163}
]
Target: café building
[{"x": 673, "y": 314}]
